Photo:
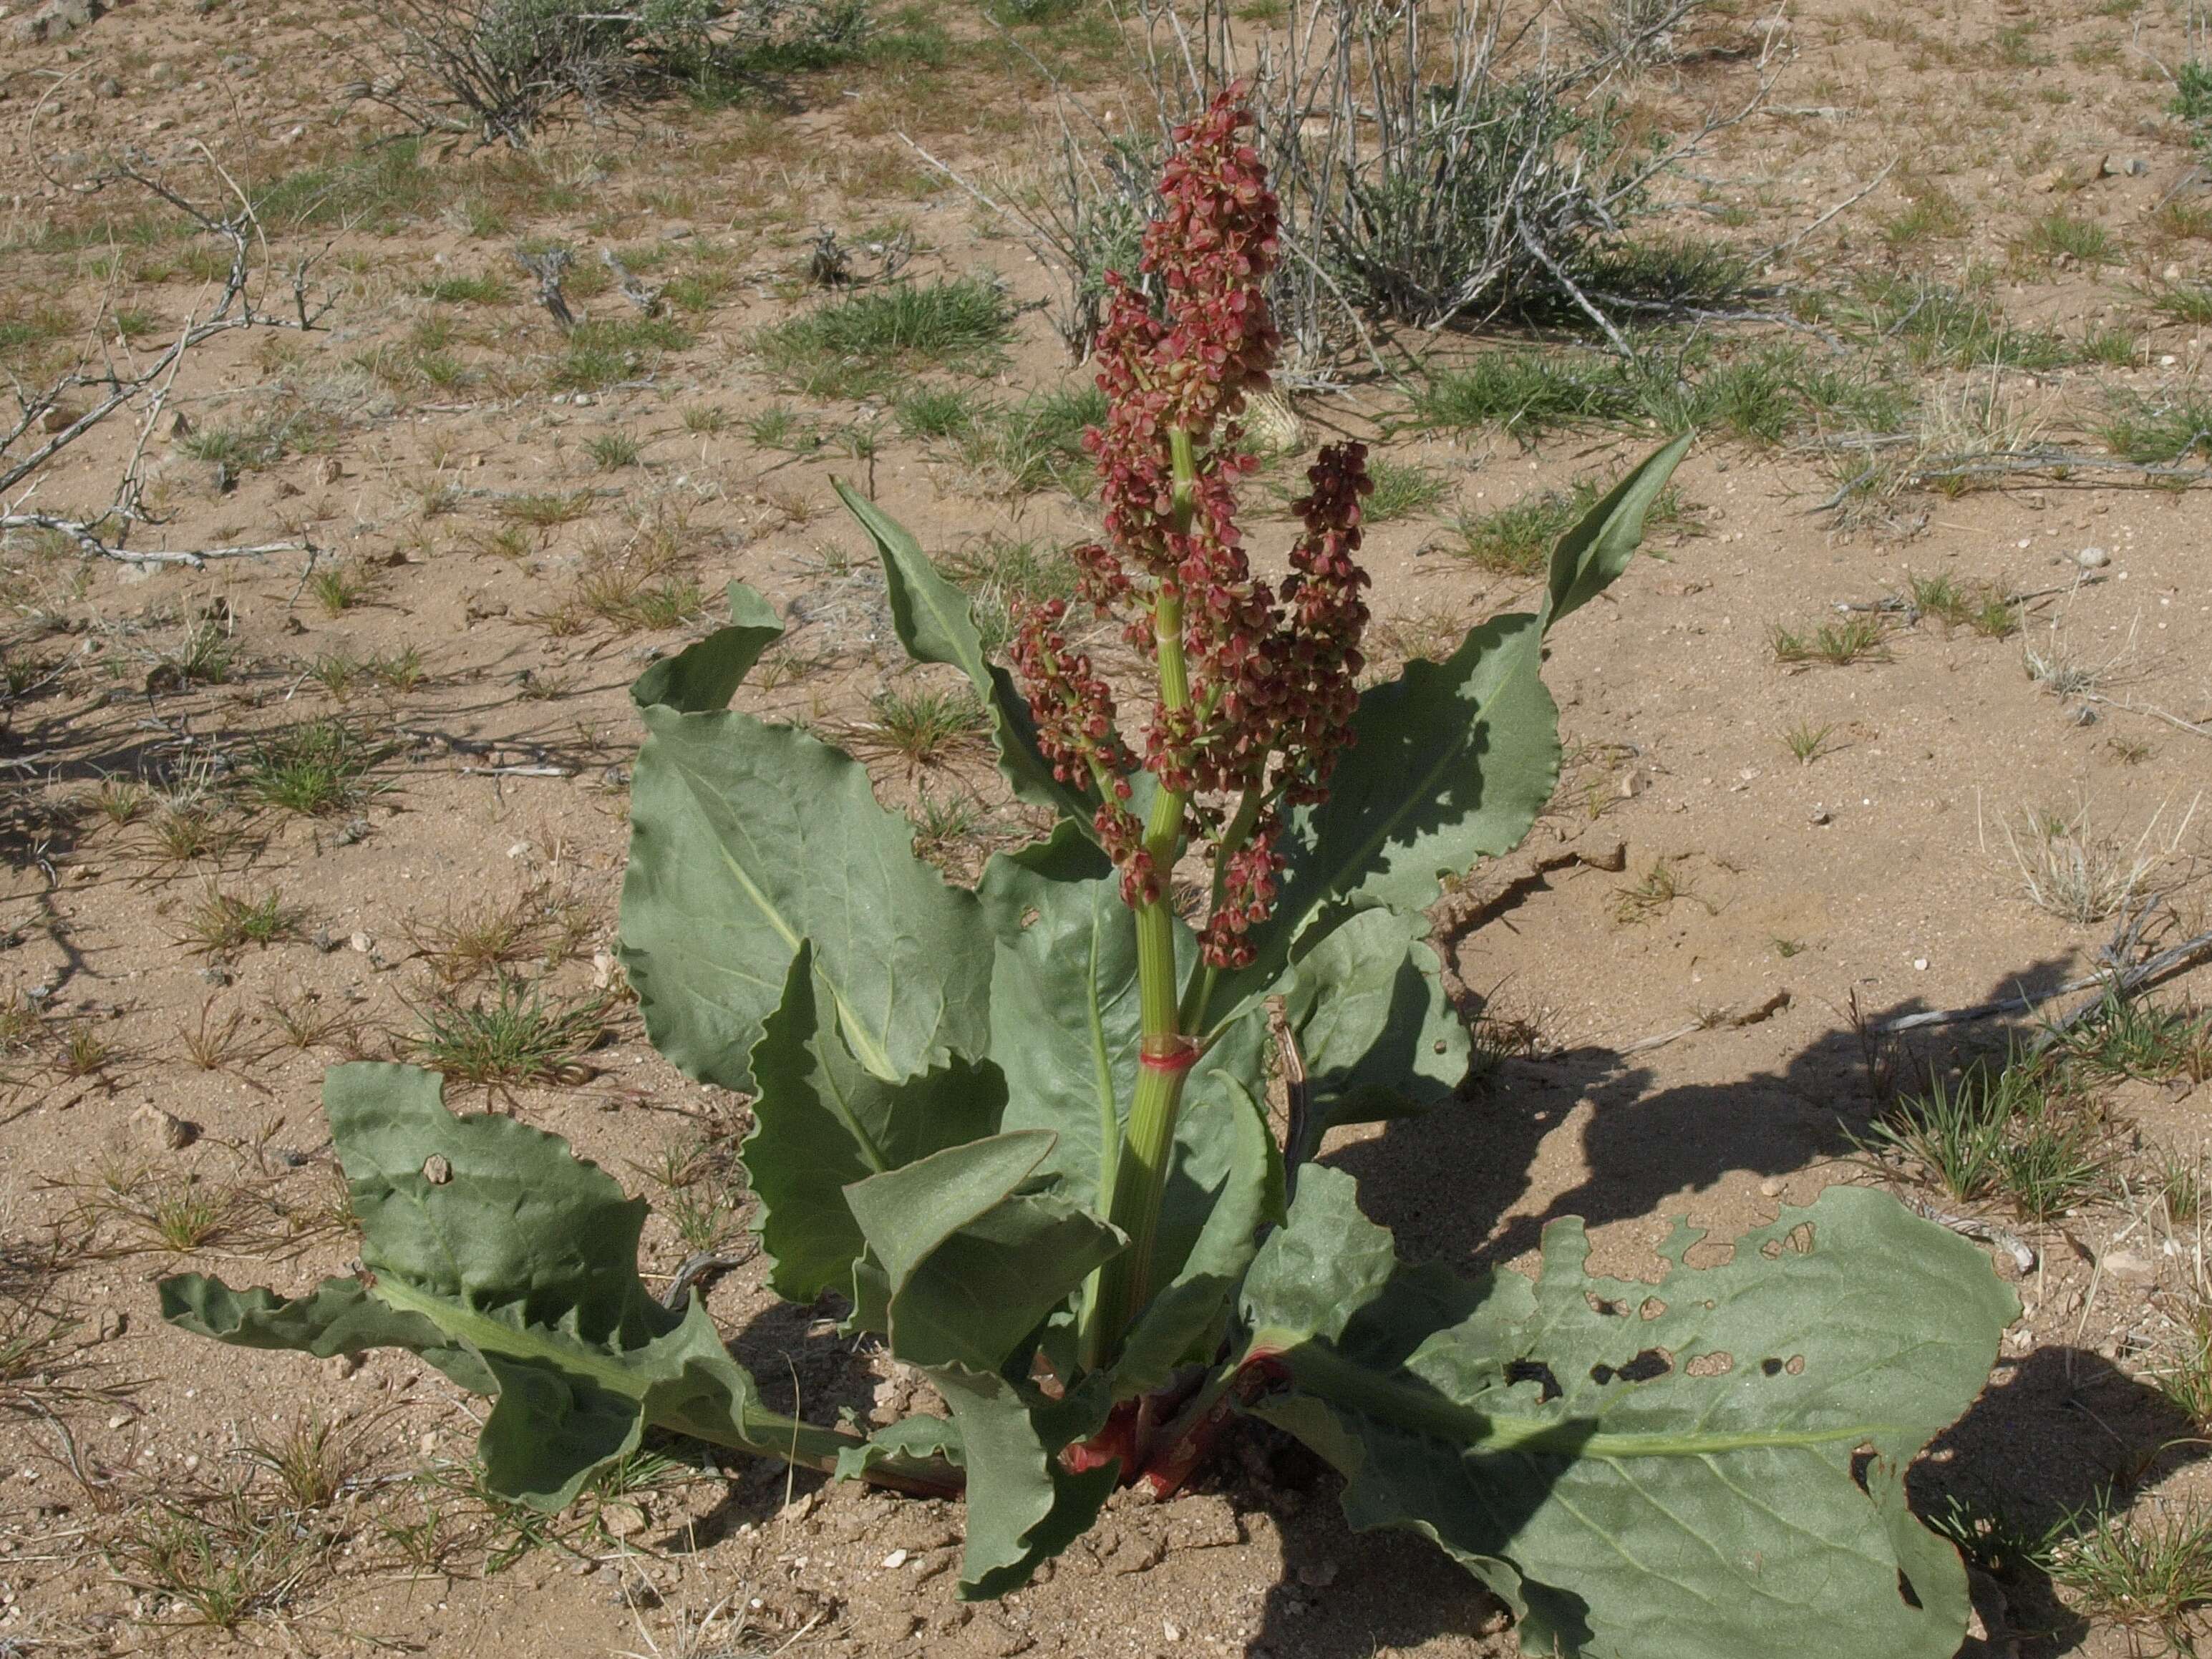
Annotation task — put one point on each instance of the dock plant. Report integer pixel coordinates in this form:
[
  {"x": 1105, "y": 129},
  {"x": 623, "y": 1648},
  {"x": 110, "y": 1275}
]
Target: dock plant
[{"x": 1019, "y": 1134}]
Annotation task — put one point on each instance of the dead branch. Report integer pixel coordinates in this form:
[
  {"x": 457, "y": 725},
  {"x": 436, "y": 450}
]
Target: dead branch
[{"x": 49, "y": 419}]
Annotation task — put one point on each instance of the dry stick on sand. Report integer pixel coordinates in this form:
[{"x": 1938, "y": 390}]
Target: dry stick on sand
[
  {"x": 2112, "y": 979},
  {"x": 50, "y": 412}
]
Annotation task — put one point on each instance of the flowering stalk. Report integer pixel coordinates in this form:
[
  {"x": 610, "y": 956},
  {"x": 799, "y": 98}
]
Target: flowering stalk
[{"x": 1254, "y": 684}]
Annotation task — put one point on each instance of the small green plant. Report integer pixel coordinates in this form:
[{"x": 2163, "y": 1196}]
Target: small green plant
[
  {"x": 491, "y": 938},
  {"x": 222, "y": 922},
  {"x": 85, "y": 1051},
  {"x": 514, "y": 1038},
  {"x": 1979, "y": 606},
  {"x": 314, "y": 769},
  {"x": 2059, "y": 235},
  {"x": 864, "y": 343},
  {"x": 341, "y": 588},
  {"x": 1857, "y": 639},
  {"x": 2192, "y": 96},
  {"x": 2157, "y": 431},
  {"x": 923, "y": 727},
  {"x": 2016, "y": 1132},
  {"x": 1403, "y": 491},
  {"x": 599, "y": 355},
  {"x": 702, "y": 1193},
  {"x": 613, "y": 451},
  {"x": 121, "y": 800},
  {"x": 400, "y": 670},
  {"x": 1524, "y": 393},
  {"x": 482, "y": 290},
  {"x": 2133, "y": 1036},
  {"x": 222, "y": 1563},
  {"x": 545, "y": 512},
  {"x": 1653, "y": 894},
  {"x": 2144, "y": 1573},
  {"x": 1806, "y": 742},
  {"x": 706, "y": 420},
  {"x": 206, "y": 656},
  {"x": 2186, "y": 303},
  {"x": 1517, "y": 540},
  {"x": 1018, "y": 1127}
]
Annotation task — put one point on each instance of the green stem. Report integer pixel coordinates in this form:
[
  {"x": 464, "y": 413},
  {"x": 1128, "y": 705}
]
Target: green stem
[{"x": 1165, "y": 1055}]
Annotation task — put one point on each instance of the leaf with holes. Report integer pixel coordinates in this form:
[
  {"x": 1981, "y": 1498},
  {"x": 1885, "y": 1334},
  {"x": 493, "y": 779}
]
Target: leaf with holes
[{"x": 1710, "y": 1466}]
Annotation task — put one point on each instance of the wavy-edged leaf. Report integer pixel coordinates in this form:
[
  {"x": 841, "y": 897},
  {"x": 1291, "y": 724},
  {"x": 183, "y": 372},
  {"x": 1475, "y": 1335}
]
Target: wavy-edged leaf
[
  {"x": 935, "y": 623},
  {"x": 746, "y": 838},
  {"x": 492, "y": 1251},
  {"x": 823, "y": 1120},
  {"x": 1650, "y": 1471},
  {"x": 1450, "y": 763}
]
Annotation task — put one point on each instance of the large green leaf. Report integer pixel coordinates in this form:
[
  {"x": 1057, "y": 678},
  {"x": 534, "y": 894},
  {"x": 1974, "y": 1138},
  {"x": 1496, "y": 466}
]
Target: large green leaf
[
  {"x": 1450, "y": 763},
  {"x": 1650, "y": 1471},
  {"x": 823, "y": 1120},
  {"x": 1378, "y": 1034},
  {"x": 935, "y": 623},
  {"x": 746, "y": 838},
  {"x": 1065, "y": 1026},
  {"x": 496, "y": 1254},
  {"x": 974, "y": 1260}
]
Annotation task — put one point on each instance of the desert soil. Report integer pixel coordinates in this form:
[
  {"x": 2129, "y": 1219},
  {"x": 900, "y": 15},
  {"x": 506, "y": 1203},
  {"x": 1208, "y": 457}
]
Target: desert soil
[{"x": 1798, "y": 903}]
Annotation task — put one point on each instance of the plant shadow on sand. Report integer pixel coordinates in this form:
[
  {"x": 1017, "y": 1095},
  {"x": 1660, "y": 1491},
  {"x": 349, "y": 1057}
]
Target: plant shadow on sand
[{"x": 2060, "y": 1432}]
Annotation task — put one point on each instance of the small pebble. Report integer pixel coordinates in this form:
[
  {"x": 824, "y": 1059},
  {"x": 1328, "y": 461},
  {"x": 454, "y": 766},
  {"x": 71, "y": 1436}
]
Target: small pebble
[
  {"x": 894, "y": 1561},
  {"x": 2092, "y": 558}
]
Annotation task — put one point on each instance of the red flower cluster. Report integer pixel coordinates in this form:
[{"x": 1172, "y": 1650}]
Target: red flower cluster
[{"x": 1270, "y": 674}]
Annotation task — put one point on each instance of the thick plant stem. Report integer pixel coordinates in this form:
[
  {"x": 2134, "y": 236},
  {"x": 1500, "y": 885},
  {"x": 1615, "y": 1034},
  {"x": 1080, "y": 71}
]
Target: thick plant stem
[{"x": 1166, "y": 1054}]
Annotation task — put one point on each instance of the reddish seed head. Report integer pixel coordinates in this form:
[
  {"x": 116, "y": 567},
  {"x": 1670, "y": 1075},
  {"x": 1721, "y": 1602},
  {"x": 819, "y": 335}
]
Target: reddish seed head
[{"x": 1271, "y": 673}]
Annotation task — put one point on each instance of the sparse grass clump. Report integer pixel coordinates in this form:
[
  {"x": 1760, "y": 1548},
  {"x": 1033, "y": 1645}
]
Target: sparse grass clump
[
  {"x": 314, "y": 769},
  {"x": 2131, "y": 1036},
  {"x": 1517, "y": 540},
  {"x": 252, "y": 445},
  {"x": 220, "y": 1565},
  {"x": 863, "y": 343},
  {"x": 613, "y": 451},
  {"x": 2150, "y": 1573},
  {"x": 2018, "y": 1132},
  {"x": 1979, "y": 606},
  {"x": 2158, "y": 431},
  {"x": 1402, "y": 490},
  {"x": 1525, "y": 393},
  {"x": 922, "y": 727},
  {"x": 2187, "y": 303},
  {"x": 602, "y": 353},
  {"x": 1001, "y": 576},
  {"x": 515, "y": 1038},
  {"x": 222, "y": 922},
  {"x": 341, "y": 588},
  {"x": 491, "y": 937},
  {"x": 2059, "y": 236},
  {"x": 482, "y": 290},
  {"x": 1806, "y": 742},
  {"x": 2079, "y": 873},
  {"x": 547, "y": 511},
  {"x": 1857, "y": 639}
]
